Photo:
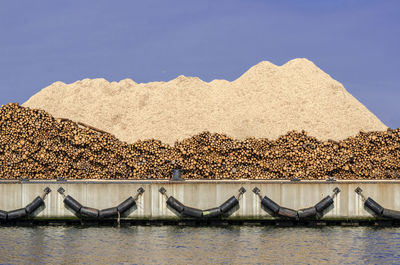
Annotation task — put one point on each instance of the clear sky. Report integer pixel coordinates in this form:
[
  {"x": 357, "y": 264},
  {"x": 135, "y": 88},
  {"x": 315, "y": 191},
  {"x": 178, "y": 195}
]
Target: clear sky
[{"x": 357, "y": 42}]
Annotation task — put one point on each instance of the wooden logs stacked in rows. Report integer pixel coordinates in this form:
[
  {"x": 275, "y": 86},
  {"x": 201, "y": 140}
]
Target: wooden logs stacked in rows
[{"x": 33, "y": 144}]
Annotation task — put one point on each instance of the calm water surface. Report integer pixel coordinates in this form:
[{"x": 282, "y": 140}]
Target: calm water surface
[{"x": 199, "y": 245}]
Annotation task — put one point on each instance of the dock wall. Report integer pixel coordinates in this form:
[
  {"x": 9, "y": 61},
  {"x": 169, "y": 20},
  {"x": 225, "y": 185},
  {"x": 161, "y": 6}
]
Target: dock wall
[{"x": 200, "y": 194}]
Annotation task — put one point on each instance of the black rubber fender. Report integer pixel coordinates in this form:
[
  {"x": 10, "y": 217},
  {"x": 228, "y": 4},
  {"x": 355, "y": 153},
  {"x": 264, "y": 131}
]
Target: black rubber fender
[
  {"x": 270, "y": 205},
  {"x": 126, "y": 205},
  {"x": 108, "y": 213},
  {"x": 3, "y": 215},
  {"x": 175, "y": 204},
  {"x": 212, "y": 213},
  {"x": 391, "y": 214},
  {"x": 324, "y": 203},
  {"x": 72, "y": 203},
  {"x": 89, "y": 212},
  {"x": 288, "y": 213},
  {"x": 16, "y": 214},
  {"x": 192, "y": 212},
  {"x": 374, "y": 206},
  {"x": 34, "y": 205},
  {"x": 229, "y": 204},
  {"x": 307, "y": 212}
]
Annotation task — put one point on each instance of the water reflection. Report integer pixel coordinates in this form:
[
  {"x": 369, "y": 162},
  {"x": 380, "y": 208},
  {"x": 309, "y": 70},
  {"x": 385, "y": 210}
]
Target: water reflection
[{"x": 199, "y": 245}]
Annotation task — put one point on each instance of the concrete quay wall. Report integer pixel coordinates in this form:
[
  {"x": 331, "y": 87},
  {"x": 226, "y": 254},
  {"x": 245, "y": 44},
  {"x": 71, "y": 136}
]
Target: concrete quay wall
[{"x": 200, "y": 194}]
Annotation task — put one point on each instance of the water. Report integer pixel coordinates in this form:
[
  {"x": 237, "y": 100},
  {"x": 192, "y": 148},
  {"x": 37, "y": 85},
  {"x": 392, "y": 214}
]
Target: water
[{"x": 199, "y": 245}]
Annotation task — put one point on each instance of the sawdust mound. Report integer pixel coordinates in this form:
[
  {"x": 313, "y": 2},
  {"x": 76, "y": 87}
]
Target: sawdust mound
[{"x": 265, "y": 102}]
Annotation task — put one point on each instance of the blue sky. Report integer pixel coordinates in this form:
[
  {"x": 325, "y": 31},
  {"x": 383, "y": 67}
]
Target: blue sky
[{"x": 355, "y": 41}]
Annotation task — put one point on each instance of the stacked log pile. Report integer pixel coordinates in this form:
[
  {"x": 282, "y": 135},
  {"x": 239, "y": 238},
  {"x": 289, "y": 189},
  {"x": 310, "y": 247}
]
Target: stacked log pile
[{"x": 35, "y": 145}]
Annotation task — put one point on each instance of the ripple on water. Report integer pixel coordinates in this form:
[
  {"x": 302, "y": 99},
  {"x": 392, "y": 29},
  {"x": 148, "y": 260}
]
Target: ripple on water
[{"x": 199, "y": 245}]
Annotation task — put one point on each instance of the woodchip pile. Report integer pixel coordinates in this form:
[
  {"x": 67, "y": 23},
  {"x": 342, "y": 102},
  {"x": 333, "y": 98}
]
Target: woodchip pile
[
  {"x": 33, "y": 144},
  {"x": 265, "y": 102}
]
